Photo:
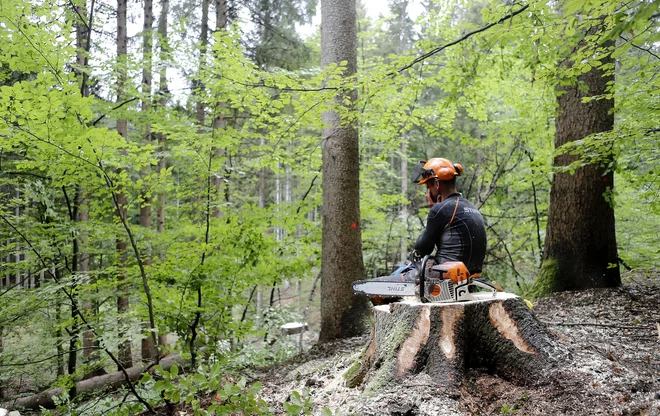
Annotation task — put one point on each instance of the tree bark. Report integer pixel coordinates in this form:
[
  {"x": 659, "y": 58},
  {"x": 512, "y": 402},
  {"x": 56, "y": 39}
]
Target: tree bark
[
  {"x": 442, "y": 340},
  {"x": 580, "y": 247},
  {"x": 342, "y": 313}
]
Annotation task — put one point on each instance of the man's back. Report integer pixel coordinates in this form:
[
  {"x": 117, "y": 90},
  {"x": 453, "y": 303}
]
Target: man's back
[{"x": 457, "y": 229}]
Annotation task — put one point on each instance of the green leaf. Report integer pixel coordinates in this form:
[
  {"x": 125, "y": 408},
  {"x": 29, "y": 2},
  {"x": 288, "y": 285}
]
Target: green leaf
[
  {"x": 160, "y": 386},
  {"x": 241, "y": 383},
  {"x": 292, "y": 409},
  {"x": 255, "y": 388}
]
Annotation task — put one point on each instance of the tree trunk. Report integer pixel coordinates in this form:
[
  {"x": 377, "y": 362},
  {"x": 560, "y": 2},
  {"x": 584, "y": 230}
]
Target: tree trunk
[
  {"x": 59, "y": 338},
  {"x": 403, "y": 255},
  {"x": 162, "y": 103},
  {"x": 443, "y": 340},
  {"x": 74, "y": 332},
  {"x": 3, "y": 384},
  {"x": 262, "y": 204},
  {"x": 83, "y": 38},
  {"x": 220, "y": 14},
  {"x": 90, "y": 345},
  {"x": 219, "y": 117},
  {"x": 580, "y": 247},
  {"x": 200, "y": 111},
  {"x": 125, "y": 356},
  {"x": 147, "y": 346},
  {"x": 342, "y": 313}
]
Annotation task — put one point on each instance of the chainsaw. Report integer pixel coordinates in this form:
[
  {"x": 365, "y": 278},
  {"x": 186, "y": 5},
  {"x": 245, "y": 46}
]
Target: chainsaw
[{"x": 446, "y": 282}]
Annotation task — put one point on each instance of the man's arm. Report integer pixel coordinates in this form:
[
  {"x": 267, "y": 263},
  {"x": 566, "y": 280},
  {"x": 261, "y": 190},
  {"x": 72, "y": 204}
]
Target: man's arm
[{"x": 436, "y": 221}]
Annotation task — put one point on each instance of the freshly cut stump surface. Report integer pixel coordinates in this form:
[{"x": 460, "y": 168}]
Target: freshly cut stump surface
[{"x": 498, "y": 333}]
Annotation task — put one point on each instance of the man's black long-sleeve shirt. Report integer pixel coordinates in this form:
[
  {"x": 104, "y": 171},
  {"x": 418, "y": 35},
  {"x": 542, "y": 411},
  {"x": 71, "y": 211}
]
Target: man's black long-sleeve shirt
[{"x": 461, "y": 239}]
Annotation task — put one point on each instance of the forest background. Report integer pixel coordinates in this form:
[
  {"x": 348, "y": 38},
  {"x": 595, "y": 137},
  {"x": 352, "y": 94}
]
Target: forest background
[{"x": 132, "y": 208}]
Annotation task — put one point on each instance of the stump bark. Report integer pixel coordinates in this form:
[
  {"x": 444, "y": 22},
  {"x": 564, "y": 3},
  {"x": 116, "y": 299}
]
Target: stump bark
[{"x": 498, "y": 333}]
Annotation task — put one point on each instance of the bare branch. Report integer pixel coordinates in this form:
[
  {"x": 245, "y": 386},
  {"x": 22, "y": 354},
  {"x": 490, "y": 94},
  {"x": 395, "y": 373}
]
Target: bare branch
[{"x": 459, "y": 40}]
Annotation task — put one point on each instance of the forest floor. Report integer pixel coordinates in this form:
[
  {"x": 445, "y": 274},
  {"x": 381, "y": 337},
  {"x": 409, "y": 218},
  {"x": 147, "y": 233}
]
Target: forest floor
[{"x": 613, "y": 336}]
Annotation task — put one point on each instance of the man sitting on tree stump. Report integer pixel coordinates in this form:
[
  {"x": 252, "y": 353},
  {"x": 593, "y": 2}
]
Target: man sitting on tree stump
[
  {"x": 448, "y": 329},
  {"x": 453, "y": 225}
]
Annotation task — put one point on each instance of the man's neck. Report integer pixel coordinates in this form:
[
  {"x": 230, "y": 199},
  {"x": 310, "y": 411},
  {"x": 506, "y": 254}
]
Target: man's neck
[{"x": 448, "y": 193}]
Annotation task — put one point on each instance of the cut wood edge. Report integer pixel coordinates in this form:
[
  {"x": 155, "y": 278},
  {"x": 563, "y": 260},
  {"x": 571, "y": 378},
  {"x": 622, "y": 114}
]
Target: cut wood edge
[{"x": 411, "y": 346}]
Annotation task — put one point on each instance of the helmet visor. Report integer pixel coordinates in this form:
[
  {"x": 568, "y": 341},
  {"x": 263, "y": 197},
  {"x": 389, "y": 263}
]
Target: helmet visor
[{"x": 420, "y": 173}]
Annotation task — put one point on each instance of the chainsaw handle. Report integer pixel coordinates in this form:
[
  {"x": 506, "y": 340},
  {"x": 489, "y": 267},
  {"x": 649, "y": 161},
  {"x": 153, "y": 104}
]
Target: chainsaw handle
[
  {"x": 483, "y": 284},
  {"x": 422, "y": 279}
]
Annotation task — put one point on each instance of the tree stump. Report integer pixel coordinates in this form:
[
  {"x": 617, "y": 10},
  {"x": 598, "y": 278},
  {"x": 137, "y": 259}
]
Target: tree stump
[{"x": 498, "y": 333}]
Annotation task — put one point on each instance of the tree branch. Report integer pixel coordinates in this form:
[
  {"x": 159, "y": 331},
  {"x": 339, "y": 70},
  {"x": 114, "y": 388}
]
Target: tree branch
[{"x": 459, "y": 40}]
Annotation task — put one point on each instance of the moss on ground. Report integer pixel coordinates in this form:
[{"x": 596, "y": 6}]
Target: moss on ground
[{"x": 355, "y": 373}]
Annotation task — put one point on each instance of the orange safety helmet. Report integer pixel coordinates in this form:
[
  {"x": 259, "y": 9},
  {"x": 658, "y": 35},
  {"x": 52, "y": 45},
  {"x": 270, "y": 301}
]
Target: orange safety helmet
[{"x": 436, "y": 168}]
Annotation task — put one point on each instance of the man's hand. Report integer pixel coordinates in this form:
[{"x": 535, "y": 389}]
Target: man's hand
[{"x": 429, "y": 200}]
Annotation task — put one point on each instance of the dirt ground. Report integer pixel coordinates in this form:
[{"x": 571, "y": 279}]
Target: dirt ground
[{"x": 613, "y": 336}]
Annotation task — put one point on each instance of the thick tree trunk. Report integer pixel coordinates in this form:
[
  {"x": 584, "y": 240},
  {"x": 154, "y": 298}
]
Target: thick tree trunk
[
  {"x": 342, "y": 313},
  {"x": 104, "y": 382},
  {"x": 580, "y": 247},
  {"x": 441, "y": 340}
]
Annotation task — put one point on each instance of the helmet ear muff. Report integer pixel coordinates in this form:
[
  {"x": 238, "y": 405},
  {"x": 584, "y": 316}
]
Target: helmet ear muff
[{"x": 458, "y": 168}]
